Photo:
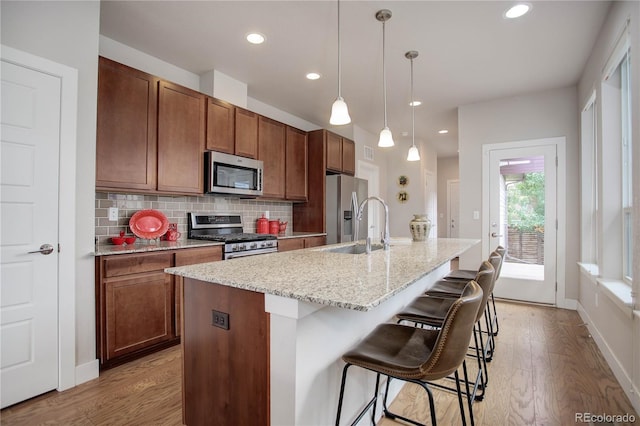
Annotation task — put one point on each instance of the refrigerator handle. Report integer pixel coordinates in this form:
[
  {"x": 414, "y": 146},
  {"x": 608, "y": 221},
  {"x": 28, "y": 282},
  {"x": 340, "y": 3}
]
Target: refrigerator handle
[{"x": 354, "y": 207}]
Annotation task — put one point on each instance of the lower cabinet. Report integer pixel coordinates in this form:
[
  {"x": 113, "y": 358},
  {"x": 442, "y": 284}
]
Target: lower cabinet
[
  {"x": 137, "y": 304},
  {"x": 297, "y": 243}
]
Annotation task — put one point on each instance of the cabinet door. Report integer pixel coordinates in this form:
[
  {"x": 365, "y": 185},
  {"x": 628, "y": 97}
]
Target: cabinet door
[
  {"x": 271, "y": 150},
  {"x": 334, "y": 152},
  {"x": 296, "y": 165},
  {"x": 181, "y": 134},
  {"x": 289, "y": 244},
  {"x": 126, "y": 128},
  {"x": 220, "y": 126},
  {"x": 348, "y": 157},
  {"x": 246, "y": 133},
  {"x": 138, "y": 312}
]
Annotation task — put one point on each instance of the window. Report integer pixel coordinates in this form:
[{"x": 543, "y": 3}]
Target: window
[
  {"x": 627, "y": 170},
  {"x": 589, "y": 189}
]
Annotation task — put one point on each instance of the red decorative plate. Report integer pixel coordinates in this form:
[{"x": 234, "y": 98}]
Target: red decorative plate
[{"x": 148, "y": 224}]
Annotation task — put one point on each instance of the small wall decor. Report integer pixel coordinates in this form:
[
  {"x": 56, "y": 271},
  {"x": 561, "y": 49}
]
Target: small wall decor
[
  {"x": 403, "y": 180},
  {"x": 402, "y": 197}
]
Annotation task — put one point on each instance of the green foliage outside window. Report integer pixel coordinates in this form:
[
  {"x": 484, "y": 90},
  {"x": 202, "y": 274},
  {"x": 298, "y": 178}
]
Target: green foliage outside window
[{"x": 525, "y": 206}]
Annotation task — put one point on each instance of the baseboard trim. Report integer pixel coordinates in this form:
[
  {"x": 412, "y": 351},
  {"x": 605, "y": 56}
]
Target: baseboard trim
[
  {"x": 87, "y": 371},
  {"x": 623, "y": 378}
]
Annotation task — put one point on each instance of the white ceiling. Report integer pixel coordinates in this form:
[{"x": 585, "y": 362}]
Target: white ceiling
[{"x": 467, "y": 53}]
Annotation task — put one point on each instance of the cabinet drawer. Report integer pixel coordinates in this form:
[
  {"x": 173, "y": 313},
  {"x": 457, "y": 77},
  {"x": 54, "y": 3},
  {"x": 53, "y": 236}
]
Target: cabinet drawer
[
  {"x": 198, "y": 255},
  {"x": 115, "y": 266}
]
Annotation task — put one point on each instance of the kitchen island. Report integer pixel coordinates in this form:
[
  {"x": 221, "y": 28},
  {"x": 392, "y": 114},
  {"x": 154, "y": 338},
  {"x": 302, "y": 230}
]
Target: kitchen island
[{"x": 263, "y": 335}]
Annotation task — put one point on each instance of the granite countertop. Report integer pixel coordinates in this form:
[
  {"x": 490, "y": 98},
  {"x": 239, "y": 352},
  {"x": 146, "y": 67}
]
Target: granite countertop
[
  {"x": 145, "y": 247},
  {"x": 288, "y": 234},
  {"x": 359, "y": 282}
]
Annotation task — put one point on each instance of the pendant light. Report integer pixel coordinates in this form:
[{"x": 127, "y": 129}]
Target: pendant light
[
  {"x": 339, "y": 110},
  {"x": 414, "y": 154},
  {"x": 386, "y": 138}
]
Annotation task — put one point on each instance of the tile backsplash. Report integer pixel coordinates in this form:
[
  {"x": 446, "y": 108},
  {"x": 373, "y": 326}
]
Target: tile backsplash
[{"x": 176, "y": 209}]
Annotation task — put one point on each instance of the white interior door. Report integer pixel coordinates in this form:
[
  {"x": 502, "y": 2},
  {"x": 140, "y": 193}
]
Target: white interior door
[
  {"x": 453, "y": 208},
  {"x": 29, "y": 154},
  {"x": 523, "y": 219}
]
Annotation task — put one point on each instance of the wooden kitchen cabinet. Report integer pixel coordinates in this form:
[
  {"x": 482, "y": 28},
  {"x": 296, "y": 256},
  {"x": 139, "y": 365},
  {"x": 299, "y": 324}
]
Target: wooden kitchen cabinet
[
  {"x": 348, "y": 157},
  {"x": 220, "y": 126},
  {"x": 296, "y": 164},
  {"x": 246, "y": 129},
  {"x": 315, "y": 241},
  {"x": 271, "y": 151},
  {"x": 138, "y": 305},
  {"x": 126, "y": 145},
  {"x": 150, "y": 133},
  {"x": 333, "y": 147},
  {"x": 181, "y": 139}
]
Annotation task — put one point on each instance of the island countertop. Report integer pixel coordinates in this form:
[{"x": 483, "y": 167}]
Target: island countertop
[{"x": 352, "y": 281}]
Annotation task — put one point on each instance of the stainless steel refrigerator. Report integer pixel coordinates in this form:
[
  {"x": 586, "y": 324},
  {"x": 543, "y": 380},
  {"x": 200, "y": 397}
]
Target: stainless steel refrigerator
[{"x": 344, "y": 195}]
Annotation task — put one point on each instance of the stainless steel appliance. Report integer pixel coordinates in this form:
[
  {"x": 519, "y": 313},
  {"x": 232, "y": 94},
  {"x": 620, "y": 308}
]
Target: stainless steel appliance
[
  {"x": 344, "y": 195},
  {"x": 232, "y": 175},
  {"x": 227, "y": 228}
]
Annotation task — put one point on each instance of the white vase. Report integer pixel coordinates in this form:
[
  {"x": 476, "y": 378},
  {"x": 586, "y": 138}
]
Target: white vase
[{"x": 420, "y": 227}]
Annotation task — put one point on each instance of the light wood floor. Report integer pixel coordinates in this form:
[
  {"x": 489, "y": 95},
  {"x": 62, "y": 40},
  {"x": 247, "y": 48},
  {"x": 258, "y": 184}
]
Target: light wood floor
[{"x": 546, "y": 368}]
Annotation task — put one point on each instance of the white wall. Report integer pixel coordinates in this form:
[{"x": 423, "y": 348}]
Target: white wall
[
  {"x": 67, "y": 33},
  {"x": 535, "y": 116},
  {"x": 447, "y": 170},
  {"x": 616, "y": 329}
]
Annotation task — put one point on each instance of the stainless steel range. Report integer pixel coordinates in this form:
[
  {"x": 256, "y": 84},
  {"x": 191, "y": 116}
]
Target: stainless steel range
[{"x": 227, "y": 228}]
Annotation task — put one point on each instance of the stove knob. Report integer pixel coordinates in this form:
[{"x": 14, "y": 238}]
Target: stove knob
[
  {"x": 253, "y": 246},
  {"x": 241, "y": 247},
  {"x": 234, "y": 247}
]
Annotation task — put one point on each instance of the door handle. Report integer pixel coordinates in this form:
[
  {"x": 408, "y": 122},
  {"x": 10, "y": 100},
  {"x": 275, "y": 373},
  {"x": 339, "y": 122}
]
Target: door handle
[
  {"x": 494, "y": 235},
  {"x": 45, "y": 249}
]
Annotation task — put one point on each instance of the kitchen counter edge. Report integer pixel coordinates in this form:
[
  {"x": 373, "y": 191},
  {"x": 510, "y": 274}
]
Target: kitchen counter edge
[{"x": 110, "y": 249}]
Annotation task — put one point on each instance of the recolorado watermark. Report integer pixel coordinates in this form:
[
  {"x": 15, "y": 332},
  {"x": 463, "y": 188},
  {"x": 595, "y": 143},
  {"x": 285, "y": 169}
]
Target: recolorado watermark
[{"x": 604, "y": 418}]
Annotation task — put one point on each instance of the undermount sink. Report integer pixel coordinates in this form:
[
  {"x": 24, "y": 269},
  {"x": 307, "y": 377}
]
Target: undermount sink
[{"x": 354, "y": 249}]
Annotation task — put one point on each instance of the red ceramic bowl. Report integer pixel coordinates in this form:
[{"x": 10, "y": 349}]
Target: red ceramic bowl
[
  {"x": 117, "y": 240},
  {"x": 129, "y": 240}
]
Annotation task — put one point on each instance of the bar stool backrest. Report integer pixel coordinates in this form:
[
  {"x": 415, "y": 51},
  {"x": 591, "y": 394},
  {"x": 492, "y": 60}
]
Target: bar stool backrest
[
  {"x": 501, "y": 251},
  {"x": 451, "y": 345},
  {"x": 485, "y": 278}
]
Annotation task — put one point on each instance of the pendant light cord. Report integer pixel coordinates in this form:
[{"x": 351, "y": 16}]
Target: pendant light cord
[
  {"x": 339, "y": 56},
  {"x": 384, "y": 77},
  {"x": 413, "y": 111}
]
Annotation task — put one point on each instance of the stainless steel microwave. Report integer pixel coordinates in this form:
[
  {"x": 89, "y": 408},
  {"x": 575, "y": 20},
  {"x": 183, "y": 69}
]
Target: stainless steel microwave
[{"x": 233, "y": 175}]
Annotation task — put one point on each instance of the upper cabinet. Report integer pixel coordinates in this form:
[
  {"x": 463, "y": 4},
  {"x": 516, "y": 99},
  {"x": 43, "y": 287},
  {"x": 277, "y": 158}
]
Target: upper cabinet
[
  {"x": 246, "y": 129},
  {"x": 126, "y": 144},
  {"x": 296, "y": 164},
  {"x": 181, "y": 139},
  {"x": 340, "y": 153},
  {"x": 150, "y": 133},
  {"x": 271, "y": 150},
  {"x": 220, "y": 126}
]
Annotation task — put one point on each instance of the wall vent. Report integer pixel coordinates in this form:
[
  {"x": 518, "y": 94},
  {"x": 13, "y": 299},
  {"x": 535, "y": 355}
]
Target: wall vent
[{"x": 368, "y": 153}]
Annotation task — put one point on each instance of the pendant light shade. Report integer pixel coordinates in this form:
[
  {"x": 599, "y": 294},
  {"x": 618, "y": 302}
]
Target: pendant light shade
[
  {"x": 339, "y": 110},
  {"x": 386, "y": 138},
  {"x": 413, "y": 154}
]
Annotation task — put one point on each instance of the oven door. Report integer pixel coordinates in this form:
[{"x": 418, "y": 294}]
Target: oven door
[
  {"x": 231, "y": 174},
  {"x": 236, "y": 254}
]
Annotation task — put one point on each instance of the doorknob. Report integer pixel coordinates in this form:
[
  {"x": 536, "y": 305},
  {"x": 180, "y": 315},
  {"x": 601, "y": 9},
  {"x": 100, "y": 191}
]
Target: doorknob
[
  {"x": 44, "y": 249},
  {"x": 494, "y": 235}
]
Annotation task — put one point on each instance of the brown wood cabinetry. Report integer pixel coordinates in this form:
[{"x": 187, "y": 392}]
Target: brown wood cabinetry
[
  {"x": 348, "y": 157},
  {"x": 246, "y": 128},
  {"x": 181, "y": 139},
  {"x": 297, "y": 243},
  {"x": 341, "y": 154},
  {"x": 136, "y": 302},
  {"x": 271, "y": 150},
  {"x": 220, "y": 126},
  {"x": 150, "y": 133},
  {"x": 296, "y": 164},
  {"x": 126, "y": 128}
]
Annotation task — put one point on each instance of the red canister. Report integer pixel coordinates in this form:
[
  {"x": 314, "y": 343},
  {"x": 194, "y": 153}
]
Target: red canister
[
  {"x": 262, "y": 225},
  {"x": 274, "y": 226}
]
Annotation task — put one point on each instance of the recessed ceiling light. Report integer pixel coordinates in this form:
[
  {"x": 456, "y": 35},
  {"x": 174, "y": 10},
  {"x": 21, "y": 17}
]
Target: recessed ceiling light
[
  {"x": 313, "y": 76},
  {"x": 443, "y": 131},
  {"x": 517, "y": 11},
  {"x": 415, "y": 103},
  {"x": 255, "y": 38}
]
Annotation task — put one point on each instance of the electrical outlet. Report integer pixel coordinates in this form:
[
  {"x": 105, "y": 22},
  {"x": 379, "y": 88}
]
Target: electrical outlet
[
  {"x": 113, "y": 214},
  {"x": 220, "y": 319}
]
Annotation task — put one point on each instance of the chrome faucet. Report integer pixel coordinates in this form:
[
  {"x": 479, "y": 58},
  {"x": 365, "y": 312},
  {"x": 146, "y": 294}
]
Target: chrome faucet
[{"x": 385, "y": 237}]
